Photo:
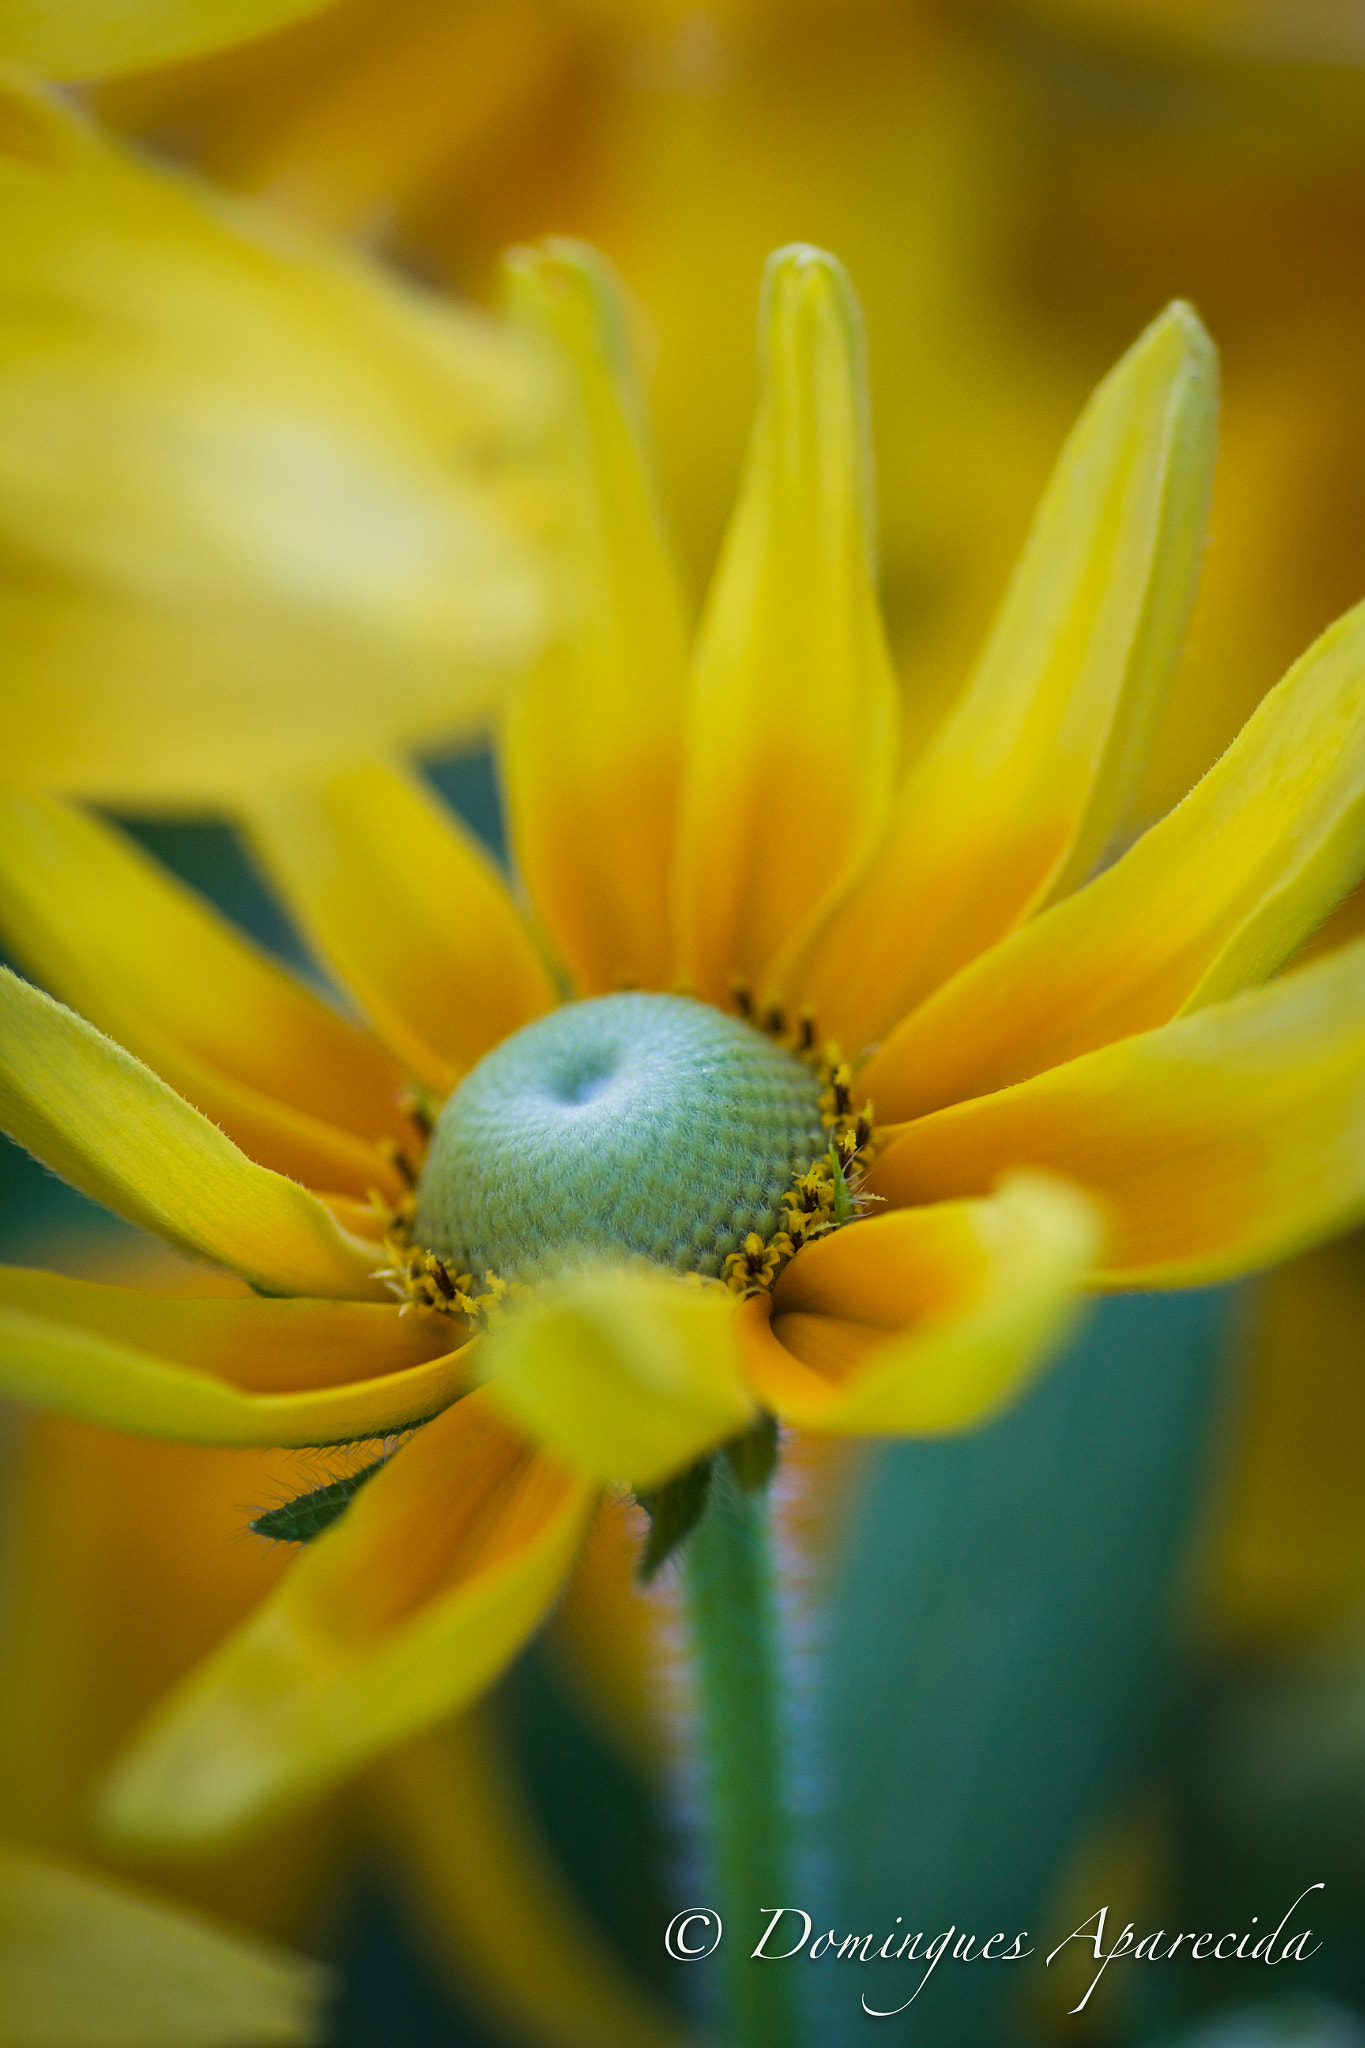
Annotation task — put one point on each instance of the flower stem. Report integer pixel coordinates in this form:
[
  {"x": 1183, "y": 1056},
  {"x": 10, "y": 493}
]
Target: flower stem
[{"x": 734, "y": 1636}]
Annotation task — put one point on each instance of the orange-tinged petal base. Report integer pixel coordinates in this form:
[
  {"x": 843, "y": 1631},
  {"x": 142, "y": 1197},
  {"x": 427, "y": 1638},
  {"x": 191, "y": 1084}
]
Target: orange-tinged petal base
[{"x": 925, "y": 1320}]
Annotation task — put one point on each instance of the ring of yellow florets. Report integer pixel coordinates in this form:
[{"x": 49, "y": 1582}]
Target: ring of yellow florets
[
  {"x": 823, "y": 1195},
  {"x": 830, "y": 1193}
]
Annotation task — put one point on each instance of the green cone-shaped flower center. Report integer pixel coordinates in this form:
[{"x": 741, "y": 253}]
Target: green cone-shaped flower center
[{"x": 639, "y": 1123}]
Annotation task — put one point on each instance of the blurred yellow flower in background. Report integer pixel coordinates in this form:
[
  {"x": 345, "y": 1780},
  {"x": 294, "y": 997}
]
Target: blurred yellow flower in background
[
  {"x": 261, "y": 504},
  {"x": 1015, "y": 189}
]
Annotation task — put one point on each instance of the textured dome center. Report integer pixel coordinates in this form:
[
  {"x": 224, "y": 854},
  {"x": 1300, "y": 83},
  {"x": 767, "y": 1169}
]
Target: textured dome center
[{"x": 642, "y": 1123}]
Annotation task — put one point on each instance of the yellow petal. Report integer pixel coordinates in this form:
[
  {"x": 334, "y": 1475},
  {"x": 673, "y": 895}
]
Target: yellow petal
[
  {"x": 793, "y": 712},
  {"x": 96, "y": 38},
  {"x": 90, "y": 1961},
  {"x": 593, "y": 738},
  {"x": 1289, "y": 1559},
  {"x": 69, "y": 1371},
  {"x": 113, "y": 934},
  {"x": 1211, "y": 900},
  {"x": 927, "y": 1319},
  {"x": 410, "y": 913},
  {"x": 488, "y": 1892},
  {"x": 262, "y": 504},
  {"x": 626, "y": 1373},
  {"x": 605, "y": 1639},
  {"x": 377, "y": 103},
  {"x": 1216, "y": 1144},
  {"x": 107, "y": 1124},
  {"x": 402, "y": 1611},
  {"x": 267, "y": 1346},
  {"x": 1013, "y": 800},
  {"x": 231, "y": 1372},
  {"x": 129, "y": 1563}
]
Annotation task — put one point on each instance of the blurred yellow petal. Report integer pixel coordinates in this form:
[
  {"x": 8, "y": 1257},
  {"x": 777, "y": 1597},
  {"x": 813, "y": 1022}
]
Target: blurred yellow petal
[
  {"x": 1288, "y": 32},
  {"x": 592, "y": 744},
  {"x": 487, "y": 1894},
  {"x": 1014, "y": 799},
  {"x": 384, "y": 98},
  {"x": 1288, "y": 1551},
  {"x": 53, "y": 1365},
  {"x": 90, "y": 1961},
  {"x": 409, "y": 911},
  {"x": 263, "y": 506},
  {"x": 106, "y": 1123},
  {"x": 1219, "y": 1143},
  {"x": 126, "y": 1563},
  {"x": 113, "y": 934},
  {"x": 626, "y": 1373},
  {"x": 1211, "y": 900},
  {"x": 926, "y": 1319},
  {"x": 97, "y": 38},
  {"x": 605, "y": 1638},
  {"x": 793, "y": 714},
  {"x": 399, "y": 1613},
  {"x": 267, "y": 1346}
]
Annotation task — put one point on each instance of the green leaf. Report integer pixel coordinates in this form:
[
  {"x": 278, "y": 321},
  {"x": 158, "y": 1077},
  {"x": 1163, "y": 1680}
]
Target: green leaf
[{"x": 996, "y": 1652}]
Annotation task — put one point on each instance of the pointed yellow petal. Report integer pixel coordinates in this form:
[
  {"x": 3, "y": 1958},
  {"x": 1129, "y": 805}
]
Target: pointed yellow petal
[
  {"x": 793, "y": 714},
  {"x": 410, "y": 913},
  {"x": 264, "y": 507},
  {"x": 927, "y": 1319},
  {"x": 1015, "y": 798},
  {"x": 230, "y": 1372},
  {"x": 107, "y": 1124},
  {"x": 489, "y": 1893},
  {"x": 627, "y": 1374},
  {"x": 401, "y": 1612},
  {"x": 267, "y": 1346},
  {"x": 593, "y": 739},
  {"x": 70, "y": 1371},
  {"x": 91, "y": 1961},
  {"x": 1212, "y": 899},
  {"x": 111, "y": 933},
  {"x": 1214, "y": 1145}
]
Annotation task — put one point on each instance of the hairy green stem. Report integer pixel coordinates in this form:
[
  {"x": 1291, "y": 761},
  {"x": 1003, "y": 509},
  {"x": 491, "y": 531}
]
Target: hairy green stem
[{"x": 734, "y": 1637}]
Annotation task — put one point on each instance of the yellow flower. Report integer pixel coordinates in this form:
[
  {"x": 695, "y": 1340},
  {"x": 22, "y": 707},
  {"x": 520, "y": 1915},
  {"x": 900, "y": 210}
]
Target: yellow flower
[
  {"x": 1009, "y": 197},
  {"x": 261, "y": 503},
  {"x": 746, "y": 831}
]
